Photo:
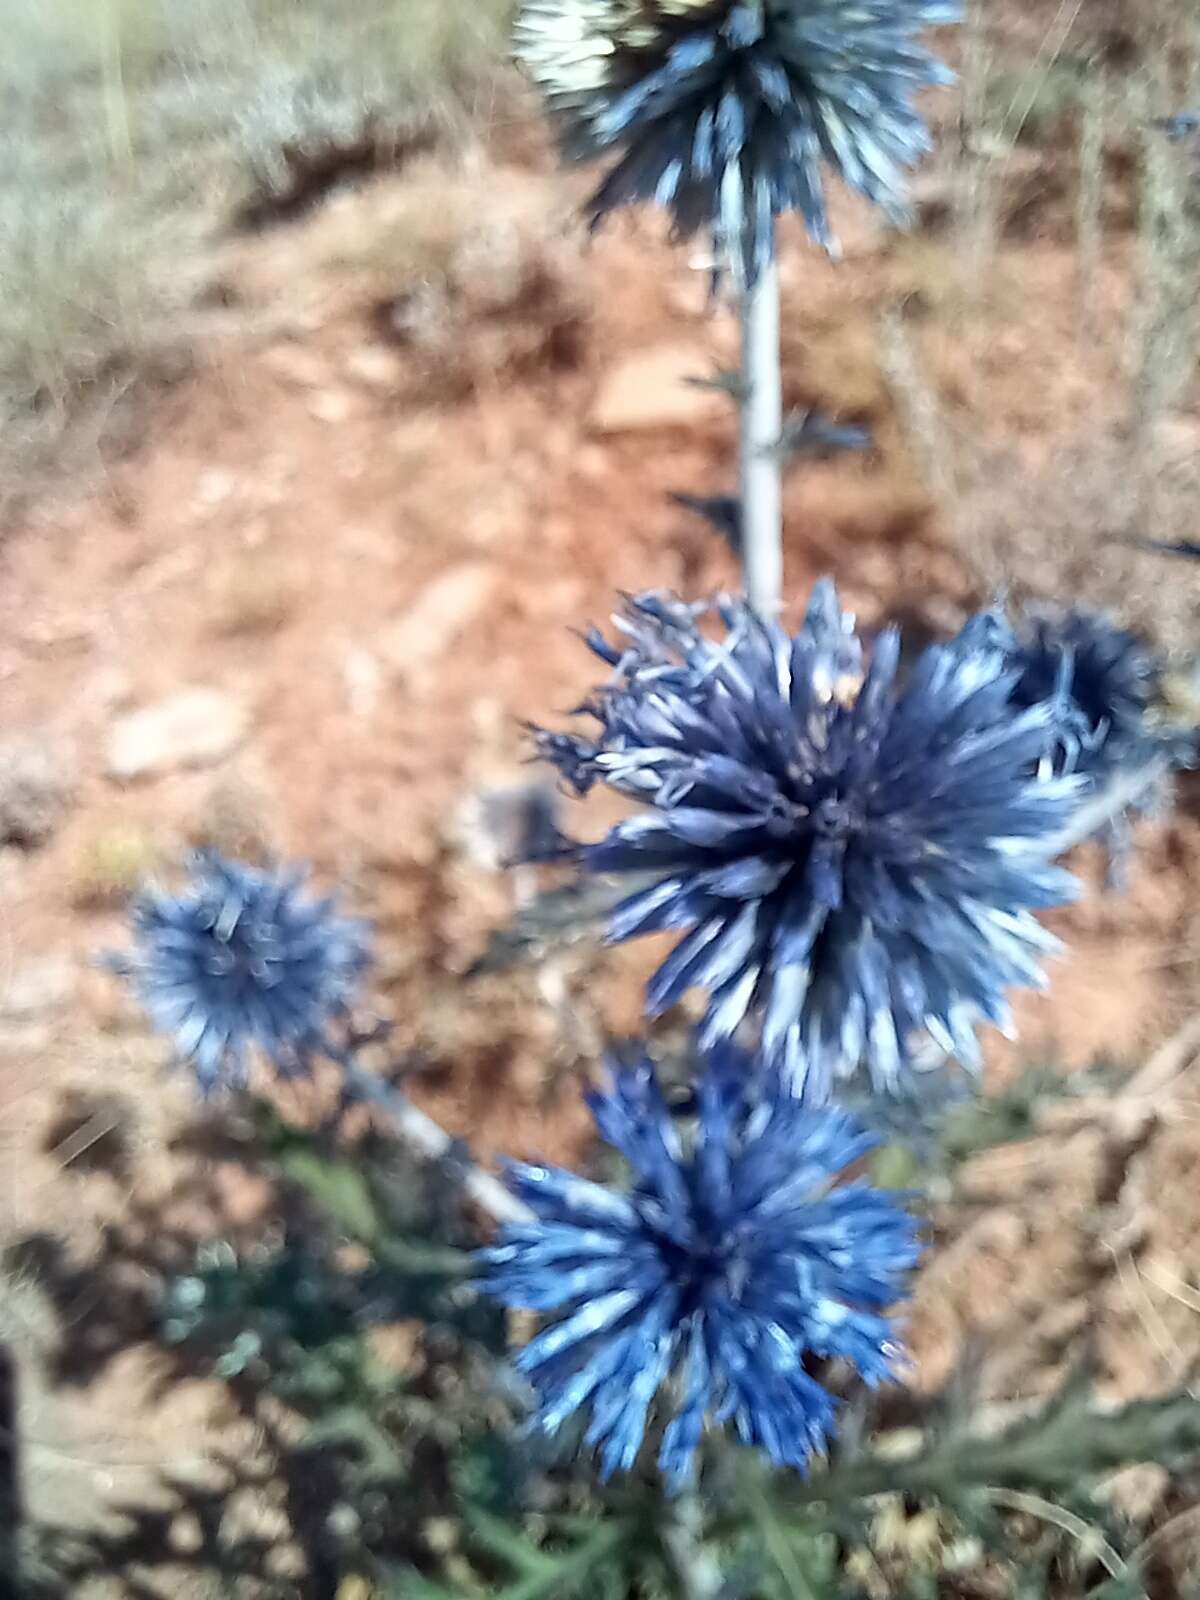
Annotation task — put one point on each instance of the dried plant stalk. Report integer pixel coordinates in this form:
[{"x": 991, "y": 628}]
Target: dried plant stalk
[{"x": 1089, "y": 200}]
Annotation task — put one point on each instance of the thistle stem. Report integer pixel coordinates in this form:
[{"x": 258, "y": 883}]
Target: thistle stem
[
  {"x": 761, "y": 427},
  {"x": 430, "y": 1140},
  {"x": 696, "y": 1568},
  {"x": 11, "y": 1508}
]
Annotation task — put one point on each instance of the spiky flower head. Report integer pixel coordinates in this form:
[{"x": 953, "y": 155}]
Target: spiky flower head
[
  {"x": 725, "y": 110},
  {"x": 702, "y": 1291},
  {"x": 242, "y": 961},
  {"x": 852, "y": 857},
  {"x": 1101, "y": 678}
]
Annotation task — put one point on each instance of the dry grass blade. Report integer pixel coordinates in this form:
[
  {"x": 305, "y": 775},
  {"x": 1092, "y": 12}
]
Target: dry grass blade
[
  {"x": 1089, "y": 224},
  {"x": 169, "y": 120},
  {"x": 918, "y": 404},
  {"x": 1089, "y": 1538}
]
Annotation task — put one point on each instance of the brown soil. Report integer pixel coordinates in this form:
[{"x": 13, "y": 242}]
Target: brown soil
[{"x": 380, "y": 549}]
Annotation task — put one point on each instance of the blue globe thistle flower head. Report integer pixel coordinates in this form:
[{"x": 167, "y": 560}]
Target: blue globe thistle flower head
[
  {"x": 1101, "y": 678},
  {"x": 851, "y": 859},
  {"x": 725, "y": 111},
  {"x": 701, "y": 1293},
  {"x": 244, "y": 961}
]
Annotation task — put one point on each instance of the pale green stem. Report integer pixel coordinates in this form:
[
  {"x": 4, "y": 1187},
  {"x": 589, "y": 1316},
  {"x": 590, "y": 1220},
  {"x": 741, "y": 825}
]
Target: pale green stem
[
  {"x": 761, "y": 426},
  {"x": 429, "y": 1139}
]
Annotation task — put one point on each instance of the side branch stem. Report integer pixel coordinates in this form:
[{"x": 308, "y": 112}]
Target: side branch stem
[
  {"x": 696, "y": 1568},
  {"x": 429, "y": 1139},
  {"x": 761, "y": 427}
]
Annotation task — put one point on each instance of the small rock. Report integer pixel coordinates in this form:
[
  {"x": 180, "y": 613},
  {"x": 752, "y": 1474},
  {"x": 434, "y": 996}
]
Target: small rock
[
  {"x": 62, "y": 632},
  {"x": 186, "y": 1536},
  {"x": 33, "y": 791},
  {"x": 651, "y": 390},
  {"x": 36, "y": 989},
  {"x": 593, "y": 463},
  {"x": 420, "y": 318},
  {"x": 297, "y": 366},
  {"x": 249, "y": 1516},
  {"x": 441, "y": 615},
  {"x": 109, "y": 689},
  {"x": 491, "y": 265},
  {"x": 192, "y": 728},
  {"x": 330, "y": 405},
  {"x": 289, "y": 1563},
  {"x": 215, "y": 486},
  {"x": 376, "y": 368},
  {"x": 1178, "y": 439},
  {"x": 364, "y": 682},
  {"x": 1136, "y": 1491},
  {"x": 690, "y": 294}
]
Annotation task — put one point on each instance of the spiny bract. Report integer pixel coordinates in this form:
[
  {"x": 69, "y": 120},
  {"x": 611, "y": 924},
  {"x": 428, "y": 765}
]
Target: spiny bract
[
  {"x": 725, "y": 110},
  {"x": 701, "y": 1291},
  {"x": 854, "y": 858},
  {"x": 242, "y": 960}
]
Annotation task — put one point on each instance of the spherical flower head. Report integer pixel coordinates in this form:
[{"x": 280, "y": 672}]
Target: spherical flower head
[
  {"x": 1101, "y": 678},
  {"x": 725, "y": 110},
  {"x": 242, "y": 960},
  {"x": 702, "y": 1293},
  {"x": 852, "y": 859}
]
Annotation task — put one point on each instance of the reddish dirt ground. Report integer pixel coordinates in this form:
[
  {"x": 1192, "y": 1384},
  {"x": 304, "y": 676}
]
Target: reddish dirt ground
[{"x": 381, "y": 556}]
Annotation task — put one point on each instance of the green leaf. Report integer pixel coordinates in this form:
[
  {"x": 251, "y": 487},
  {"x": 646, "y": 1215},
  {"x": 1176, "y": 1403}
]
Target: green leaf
[
  {"x": 797, "y": 1556},
  {"x": 487, "y": 1473},
  {"x": 339, "y": 1189}
]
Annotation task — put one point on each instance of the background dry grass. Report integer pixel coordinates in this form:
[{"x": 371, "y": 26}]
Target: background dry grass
[
  {"x": 137, "y": 130},
  {"x": 1058, "y": 162}
]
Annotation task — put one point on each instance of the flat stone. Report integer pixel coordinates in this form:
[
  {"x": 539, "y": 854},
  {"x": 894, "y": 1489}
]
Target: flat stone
[
  {"x": 330, "y": 405},
  {"x": 364, "y": 682},
  {"x": 376, "y": 368},
  {"x": 440, "y": 616},
  {"x": 295, "y": 364},
  {"x": 192, "y": 728},
  {"x": 650, "y": 389}
]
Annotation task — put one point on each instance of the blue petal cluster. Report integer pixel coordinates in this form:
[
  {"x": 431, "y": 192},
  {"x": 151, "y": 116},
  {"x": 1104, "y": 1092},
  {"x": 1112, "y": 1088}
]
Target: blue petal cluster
[
  {"x": 704, "y": 1291},
  {"x": 851, "y": 857},
  {"x": 725, "y": 110},
  {"x": 242, "y": 960}
]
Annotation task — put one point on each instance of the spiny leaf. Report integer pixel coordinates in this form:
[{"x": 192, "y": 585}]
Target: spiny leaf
[
  {"x": 351, "y": 1426},
  {"x": 794, "y": 1552},
  {"x": 1068, "y": 1442},
  {"x": 586, "y": 1570}
]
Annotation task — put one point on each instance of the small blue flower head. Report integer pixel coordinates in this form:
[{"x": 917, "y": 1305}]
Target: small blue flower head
[
  {"x": 851, "y": 858},
  {"x": 243, "y": 960},
  {"x": 701, "y": 1293},
  {"x": 1101, "y": 679},
  {"x": 725, "y": 110}
]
